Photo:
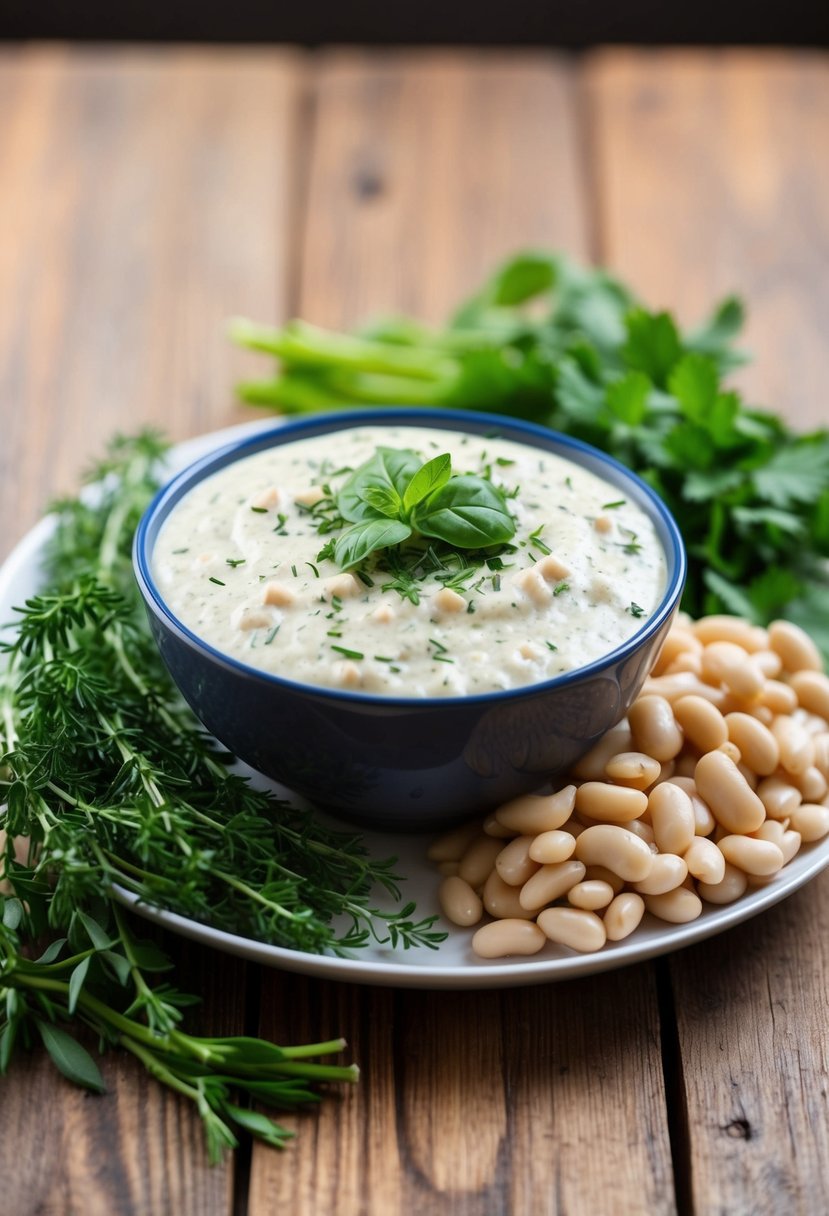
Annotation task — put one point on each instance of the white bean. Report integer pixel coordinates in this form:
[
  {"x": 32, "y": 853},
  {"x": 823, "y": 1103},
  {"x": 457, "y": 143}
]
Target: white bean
[
  {"x": 502, "y": 900},
  {"x": 811, "y": 820},
  {"x": 678, "y": 906},
  {"x": 459, "y": 902},
  {"x": 730, "y": 887},
  {"x": 501, "y": 938},
  {"x": 701, "y": 721},
  {"x": 634, "y": 769},
  {"x": 573, "y": 927},
  {"x": 514, "y": 863},
  {"x": 610, "y": 803},
  {"x": 551, "y": 847},
  {"x": 758, "y": 746},
  {"x": 478, "y": 861},
  {"x": 672, "y": 816},
  {"x": 620, "y": 851},
  {"x": 705, "y": 861},
  {"x": 752, "y": 855},
  {"x": 549, "y": 883},
  {"x": 725, "y": 790},
  {"x": 667, "y": 873},
  {"x": 654, "y": 727},
  {"x": 590, "y": 894},
  {"x": 623, "y": 915},
  {"x": 812, "y": 689},
  {"x": 534, "y": 813},
  {"x": 795, "y": 647}
]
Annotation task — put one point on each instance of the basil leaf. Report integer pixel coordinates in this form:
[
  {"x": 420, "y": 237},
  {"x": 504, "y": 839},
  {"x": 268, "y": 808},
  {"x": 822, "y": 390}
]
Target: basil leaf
[
  {"x": 384, "y": 500},
  {"x": 468, "y": 512},
  {"x": 366, "y": 536},
  {"x": 387, "y": 469},
  {"x": 427, "y": 480}
]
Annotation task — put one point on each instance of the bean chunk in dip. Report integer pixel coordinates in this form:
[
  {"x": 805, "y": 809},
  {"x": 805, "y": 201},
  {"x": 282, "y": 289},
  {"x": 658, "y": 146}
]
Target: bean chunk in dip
[{"x": 245, "y": 561}]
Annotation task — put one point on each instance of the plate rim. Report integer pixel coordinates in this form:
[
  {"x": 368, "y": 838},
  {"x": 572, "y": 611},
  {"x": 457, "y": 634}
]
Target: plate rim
[{"x": 392, "y": 971}]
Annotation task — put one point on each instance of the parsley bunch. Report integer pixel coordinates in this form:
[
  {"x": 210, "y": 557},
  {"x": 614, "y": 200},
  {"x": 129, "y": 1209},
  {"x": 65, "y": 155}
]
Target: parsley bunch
[
  {"x": 572, "y": 349},
  {"x": 107, "y": 778}
]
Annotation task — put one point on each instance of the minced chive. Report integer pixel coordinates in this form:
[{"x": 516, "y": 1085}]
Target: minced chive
[
  {"x": 334, "y": 633},
  {"x": 551, "y": 646},
  {"x": 271, "y": 635},
  {"x": 235, "y": 561},
  {"x": 313, "y": 567},
  {"x": 348, "y": 654},
  {"x": 382, "y": 658},
  {"x": 217, "y": 581},
  {"x": 561, "y": 587},
  {"x": 185, "y": 550},
  {"x": 293, "y": 571},
  {"x": 260, "y": 510},
  {"x": 496, "y": 582},
  {"x": 609, "y": 506},
  {"x": 635, "y": 609}
]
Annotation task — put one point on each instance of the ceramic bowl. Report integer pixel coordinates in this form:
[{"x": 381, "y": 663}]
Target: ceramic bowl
[{"x": 395, "y": 763}]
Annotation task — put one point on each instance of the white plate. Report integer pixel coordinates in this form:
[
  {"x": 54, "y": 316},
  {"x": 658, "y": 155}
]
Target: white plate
[{"x": 453, "y": 965}]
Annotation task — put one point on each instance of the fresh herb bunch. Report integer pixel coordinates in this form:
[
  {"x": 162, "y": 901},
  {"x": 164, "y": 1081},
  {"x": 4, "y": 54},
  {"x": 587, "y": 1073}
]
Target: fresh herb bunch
[
  {"x": 394, "y": 495},
  {"x": 572, "y": 349},
  {"x": 108, "y": 778}
]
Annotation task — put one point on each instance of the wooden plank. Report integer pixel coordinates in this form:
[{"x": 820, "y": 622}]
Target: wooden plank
[
  {"x": 750, "y": 1005},
  {"x": 145, "y": 198},
  {"x": 146, "y": 195},
  {"x": 713, "y": 178},
  {"x": 424, "y": 170}
]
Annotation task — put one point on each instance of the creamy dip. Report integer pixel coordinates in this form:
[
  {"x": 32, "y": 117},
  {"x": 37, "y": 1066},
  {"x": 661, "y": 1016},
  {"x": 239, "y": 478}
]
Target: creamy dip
[{"x": 237, "y": 562}]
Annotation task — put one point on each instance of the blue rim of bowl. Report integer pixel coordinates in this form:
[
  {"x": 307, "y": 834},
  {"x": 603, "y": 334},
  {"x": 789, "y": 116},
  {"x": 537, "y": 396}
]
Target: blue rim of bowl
[{"x": 465, "y": 421}]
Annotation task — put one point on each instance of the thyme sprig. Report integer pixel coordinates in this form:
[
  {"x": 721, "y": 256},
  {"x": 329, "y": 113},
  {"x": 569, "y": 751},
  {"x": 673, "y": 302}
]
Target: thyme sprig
[{"x": 107, "y": 778}]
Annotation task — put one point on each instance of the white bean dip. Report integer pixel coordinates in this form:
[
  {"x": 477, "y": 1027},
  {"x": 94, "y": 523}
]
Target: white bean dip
[{"x": 237, "y": 563}]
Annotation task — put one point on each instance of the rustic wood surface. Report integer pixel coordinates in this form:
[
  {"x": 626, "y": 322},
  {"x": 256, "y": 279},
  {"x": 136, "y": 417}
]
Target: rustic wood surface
[{"x": 145, "y": 196}]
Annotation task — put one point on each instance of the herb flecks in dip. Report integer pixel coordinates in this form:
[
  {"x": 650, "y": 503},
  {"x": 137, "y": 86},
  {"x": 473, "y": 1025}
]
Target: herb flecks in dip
[{"x": 247, "y": 562}]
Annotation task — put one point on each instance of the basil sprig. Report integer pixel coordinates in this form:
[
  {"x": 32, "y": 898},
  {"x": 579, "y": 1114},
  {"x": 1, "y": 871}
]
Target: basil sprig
[{"x": 394, "y": 496}]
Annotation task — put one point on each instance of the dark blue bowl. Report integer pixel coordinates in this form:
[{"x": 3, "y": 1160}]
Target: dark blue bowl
[{"x": 397, "y": 763}]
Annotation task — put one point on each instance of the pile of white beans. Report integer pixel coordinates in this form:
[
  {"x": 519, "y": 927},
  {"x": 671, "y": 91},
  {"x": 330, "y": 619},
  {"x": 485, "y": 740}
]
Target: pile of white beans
[{"x": 709, "y": 787}]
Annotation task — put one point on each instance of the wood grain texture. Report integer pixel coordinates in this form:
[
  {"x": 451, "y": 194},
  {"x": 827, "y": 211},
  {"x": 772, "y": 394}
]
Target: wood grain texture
[
  {"x": 424, "y": 169},
  {"x": 137, "y": 1150},
  {"x": 477, "y": 1103},
  {"x": 146, "y": 196},
  {"x": 751, "y": 1013},
  {"x": 428, "y": 168},
  {"x": 711, "y": 172},
  {"x": 711, "y": 177}
]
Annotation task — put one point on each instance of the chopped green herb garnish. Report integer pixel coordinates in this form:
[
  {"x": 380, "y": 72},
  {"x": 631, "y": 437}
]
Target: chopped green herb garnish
[
  {"x": 348, "y": 654},
  {"x": 184, "y": 550},
  {"x": 259, "y": 510},
  {"x": 611, "y": 506},
  {"x": 635, "y": 610},
  {"x": 217, "y": 581},
  {"x": 551, "y": 646},
  {"x": 235, "y": 561},
  {"x": 271, "y": 635},
  {"x": 314, "y": 568},
  {"x": 560, "y": 588}
]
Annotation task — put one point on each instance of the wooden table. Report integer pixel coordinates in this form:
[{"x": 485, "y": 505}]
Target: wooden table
[{"x": 148, "y": 194}]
